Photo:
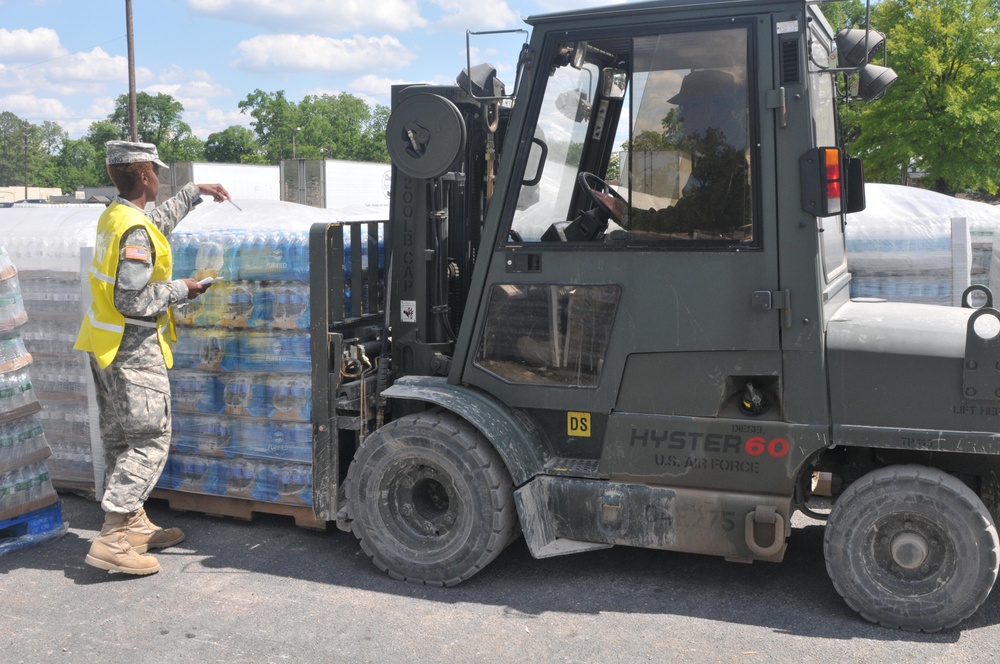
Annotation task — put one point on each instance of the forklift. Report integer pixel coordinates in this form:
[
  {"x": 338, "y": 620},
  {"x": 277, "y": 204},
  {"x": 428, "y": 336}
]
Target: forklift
[{"x": 611, "y": 306}]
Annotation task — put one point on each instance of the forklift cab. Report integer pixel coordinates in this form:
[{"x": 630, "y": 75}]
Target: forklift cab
[{"x": 646, "y": 236}]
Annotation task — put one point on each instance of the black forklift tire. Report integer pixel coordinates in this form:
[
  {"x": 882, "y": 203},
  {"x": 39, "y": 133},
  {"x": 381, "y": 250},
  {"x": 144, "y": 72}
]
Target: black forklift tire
[
  {"x": 911, "y": 547},
  {"x": 430, "y": 499}
]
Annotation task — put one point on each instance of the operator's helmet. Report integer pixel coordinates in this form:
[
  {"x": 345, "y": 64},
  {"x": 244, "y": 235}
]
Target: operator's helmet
[{"x": 709, "y": 98}]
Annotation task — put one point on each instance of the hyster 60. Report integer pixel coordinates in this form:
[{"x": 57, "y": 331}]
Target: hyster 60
[{"x": 613, "y": 308}]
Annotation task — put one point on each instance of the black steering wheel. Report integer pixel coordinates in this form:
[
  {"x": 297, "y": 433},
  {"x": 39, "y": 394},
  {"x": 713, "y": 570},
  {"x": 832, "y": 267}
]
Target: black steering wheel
[{"x": 607, "y": 199}]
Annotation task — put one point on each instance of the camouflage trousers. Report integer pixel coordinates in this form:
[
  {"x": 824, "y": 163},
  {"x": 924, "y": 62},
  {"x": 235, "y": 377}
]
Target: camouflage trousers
[{"x": 134, "y": 417}]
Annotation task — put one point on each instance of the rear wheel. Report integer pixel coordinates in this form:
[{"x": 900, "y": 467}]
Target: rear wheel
[
  {"x": 911, "y": 547},
  {"x": 430, "y": 499}
]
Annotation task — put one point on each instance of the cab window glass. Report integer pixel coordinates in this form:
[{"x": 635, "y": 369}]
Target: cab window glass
[
  {"x": 562, "y": 129},
  {"x": 548, "y": 333},
  {"x": 679, "y": 140},
  {"x": 688, "y": 174}
]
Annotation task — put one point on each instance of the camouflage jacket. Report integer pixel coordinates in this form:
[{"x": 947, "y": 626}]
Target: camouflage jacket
[{"x": 139, "y": 355}]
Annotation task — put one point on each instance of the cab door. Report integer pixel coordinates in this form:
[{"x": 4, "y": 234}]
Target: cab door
[{"x": 664, "y": 315}]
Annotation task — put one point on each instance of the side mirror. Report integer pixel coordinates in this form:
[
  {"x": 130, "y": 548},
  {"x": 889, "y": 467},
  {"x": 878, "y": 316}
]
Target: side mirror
[{"x": 613, "y": 83}]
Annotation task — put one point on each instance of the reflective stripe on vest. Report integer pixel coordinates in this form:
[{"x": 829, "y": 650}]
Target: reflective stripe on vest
[{"x": 108, "y": 279}]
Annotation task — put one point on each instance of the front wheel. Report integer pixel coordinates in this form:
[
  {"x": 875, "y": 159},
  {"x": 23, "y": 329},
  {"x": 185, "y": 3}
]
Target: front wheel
[
  {"x": 911, "y": 547},
  {"x": 430, "y": 499}
]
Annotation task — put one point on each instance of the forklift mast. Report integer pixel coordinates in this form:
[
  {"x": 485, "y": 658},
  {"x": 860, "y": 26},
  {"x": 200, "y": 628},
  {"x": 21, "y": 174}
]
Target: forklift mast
[{"x": 443, "y": 141}]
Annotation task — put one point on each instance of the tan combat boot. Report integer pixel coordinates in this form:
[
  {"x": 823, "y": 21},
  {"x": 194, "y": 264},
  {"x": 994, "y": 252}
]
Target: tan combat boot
[
  {"x": 143, "y": 534},
  {"x": 111, "y": 550}
]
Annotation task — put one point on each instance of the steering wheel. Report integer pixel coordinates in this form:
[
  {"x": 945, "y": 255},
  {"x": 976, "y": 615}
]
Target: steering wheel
[{"x": 607, "y": 199}]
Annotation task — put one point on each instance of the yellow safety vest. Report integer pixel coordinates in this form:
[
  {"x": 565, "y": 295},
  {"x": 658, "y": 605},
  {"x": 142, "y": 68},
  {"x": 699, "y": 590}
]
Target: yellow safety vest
[{"x": 103, "y": 325}]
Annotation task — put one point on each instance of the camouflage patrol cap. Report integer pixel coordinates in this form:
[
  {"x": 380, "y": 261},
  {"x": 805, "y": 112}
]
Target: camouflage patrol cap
[
  {"x": 125, "y": 152},
  {"x": 702, "y": 85}
]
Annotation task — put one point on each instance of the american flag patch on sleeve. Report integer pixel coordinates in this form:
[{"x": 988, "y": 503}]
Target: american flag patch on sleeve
[{"x": 137, "y": 254}]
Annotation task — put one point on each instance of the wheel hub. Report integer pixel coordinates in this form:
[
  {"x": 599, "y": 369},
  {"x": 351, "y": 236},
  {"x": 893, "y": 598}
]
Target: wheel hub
[
  {"x": 422, "y": 501},
  {"x": 909, "y": 550},
  {"x": 910, "y": 555}
]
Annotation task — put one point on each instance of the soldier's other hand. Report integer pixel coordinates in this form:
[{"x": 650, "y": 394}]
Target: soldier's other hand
[
  {"x": 216, "y": 191},
  {"x": 194, "y": 288}
]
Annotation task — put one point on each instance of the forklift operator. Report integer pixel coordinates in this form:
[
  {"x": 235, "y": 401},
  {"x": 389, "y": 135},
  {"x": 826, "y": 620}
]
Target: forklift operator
[{"x": 708, "y": 126}]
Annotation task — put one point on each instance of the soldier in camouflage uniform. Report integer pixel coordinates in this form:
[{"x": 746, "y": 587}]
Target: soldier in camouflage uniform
[{"x": 127, "y": 332}]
